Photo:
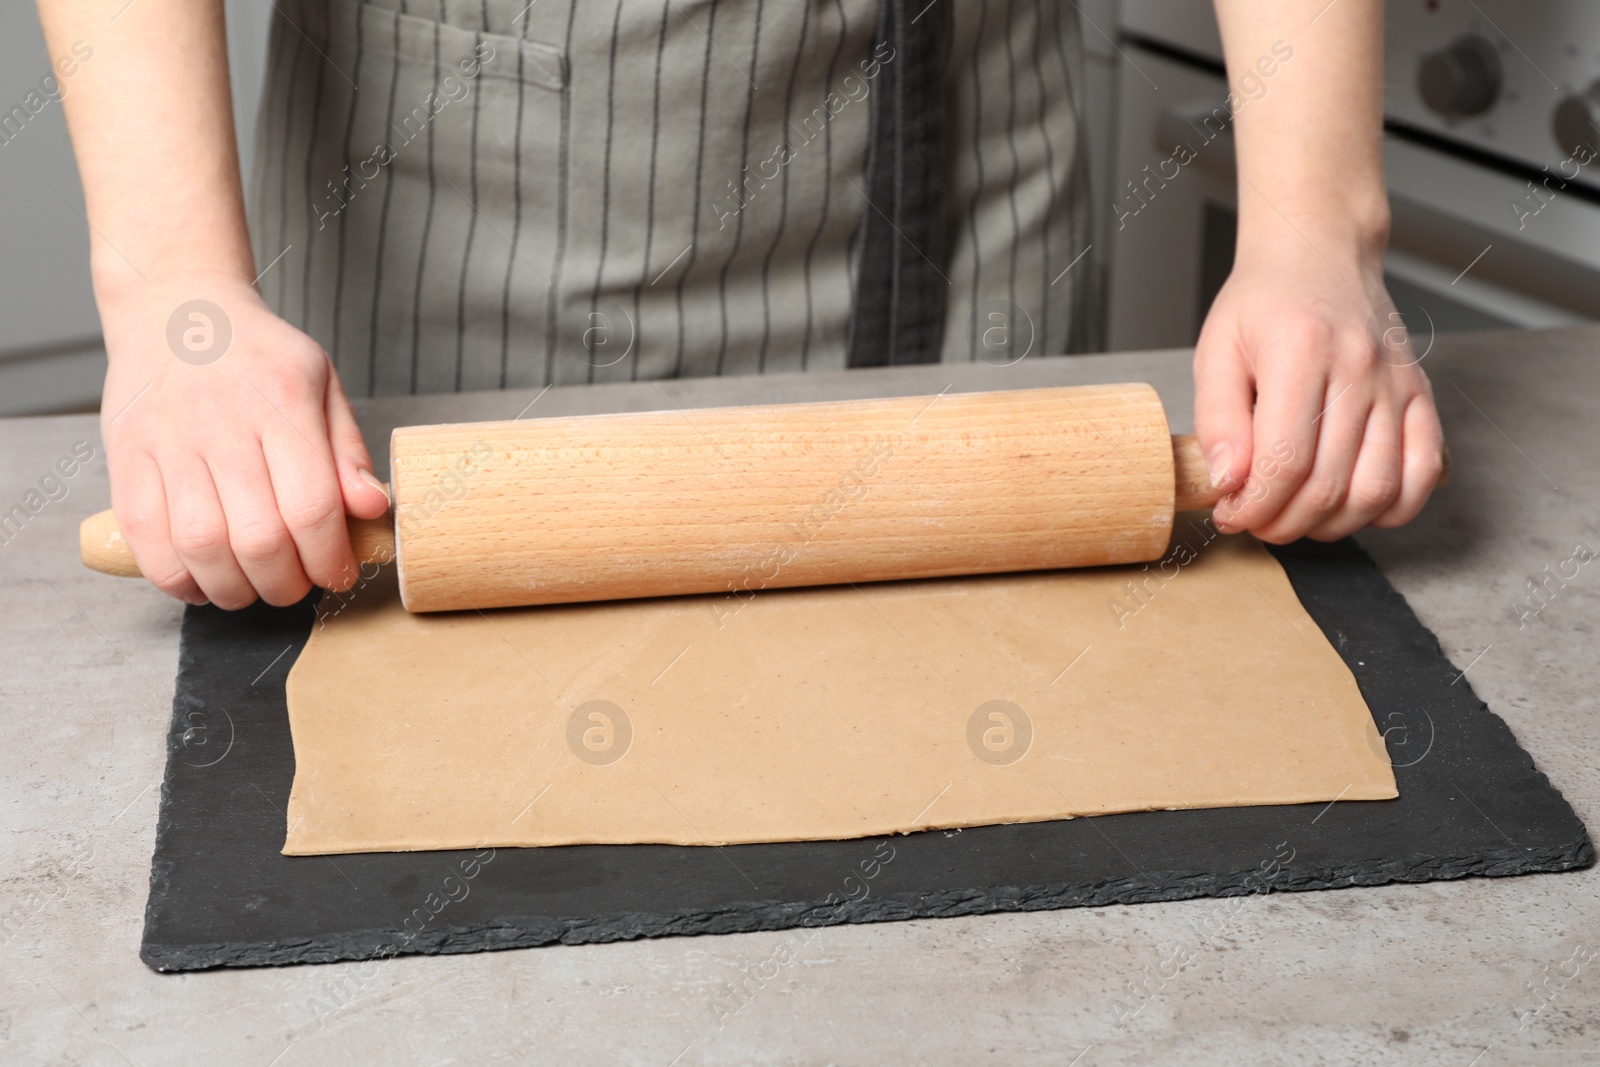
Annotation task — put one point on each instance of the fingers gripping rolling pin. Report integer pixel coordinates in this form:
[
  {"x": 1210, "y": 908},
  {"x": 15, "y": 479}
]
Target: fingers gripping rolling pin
[{"x": 601, "y": 507}]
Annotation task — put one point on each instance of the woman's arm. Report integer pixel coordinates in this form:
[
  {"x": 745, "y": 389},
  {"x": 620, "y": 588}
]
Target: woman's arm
[
  {"x": 231, "y": 468},
  {"x": 1308, "y": 404}
]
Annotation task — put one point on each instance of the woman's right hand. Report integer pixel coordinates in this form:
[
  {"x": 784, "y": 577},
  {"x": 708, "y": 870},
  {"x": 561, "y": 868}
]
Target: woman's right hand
[{"x": 233, "y": 452}]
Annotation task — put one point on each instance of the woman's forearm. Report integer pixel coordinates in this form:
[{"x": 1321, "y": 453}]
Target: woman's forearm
[
  {"x": 152, "y": 126},
  {"x": 1307, "y": 79}
]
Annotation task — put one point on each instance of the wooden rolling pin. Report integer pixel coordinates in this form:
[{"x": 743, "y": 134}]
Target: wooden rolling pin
[{"x": 735, "y": 500}]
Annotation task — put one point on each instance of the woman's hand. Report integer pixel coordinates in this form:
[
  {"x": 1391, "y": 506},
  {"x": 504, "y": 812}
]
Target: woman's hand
[
  {"x": 1310, "y": 403},
  {"x": 233, "y": 453}
]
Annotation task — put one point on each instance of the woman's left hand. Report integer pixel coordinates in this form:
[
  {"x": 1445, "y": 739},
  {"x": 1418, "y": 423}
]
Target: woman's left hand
[{"x": 1310, "y": 404}]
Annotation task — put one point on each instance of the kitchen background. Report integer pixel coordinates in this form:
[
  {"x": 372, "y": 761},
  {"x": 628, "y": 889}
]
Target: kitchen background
[{"x": 1491, "y": 106}]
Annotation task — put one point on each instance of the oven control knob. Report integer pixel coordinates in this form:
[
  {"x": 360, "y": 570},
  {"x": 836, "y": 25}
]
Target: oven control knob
[
  {"x": 1462, "y": 80},
  {"x": 1577, "y": 122}
]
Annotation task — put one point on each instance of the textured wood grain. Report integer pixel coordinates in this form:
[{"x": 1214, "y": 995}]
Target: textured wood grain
[
  {"x": 1193, "y": 488},
  {"x": 735, "y": 500}
]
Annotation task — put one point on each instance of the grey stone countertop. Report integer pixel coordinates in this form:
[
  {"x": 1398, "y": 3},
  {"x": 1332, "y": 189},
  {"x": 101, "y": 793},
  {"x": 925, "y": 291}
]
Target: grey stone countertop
[{"x": 1441, "y": 973}]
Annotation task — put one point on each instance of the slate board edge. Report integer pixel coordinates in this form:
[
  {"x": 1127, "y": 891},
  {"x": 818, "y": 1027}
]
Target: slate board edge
[
  {"x": 160, "y": 869},
  {"x": 892, "y": 907}
]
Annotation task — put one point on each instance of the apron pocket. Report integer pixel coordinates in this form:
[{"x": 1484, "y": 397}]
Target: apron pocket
[{"x": 423, "y": 195}]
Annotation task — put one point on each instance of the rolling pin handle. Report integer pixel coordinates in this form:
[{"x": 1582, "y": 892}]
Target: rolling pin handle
[
  {"x": 1191, "y": 478},
  {"x": 1194, "y": 490},
  {"x": 103, "y": 549}
]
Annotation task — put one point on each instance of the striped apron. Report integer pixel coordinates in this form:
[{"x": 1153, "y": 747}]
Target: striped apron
[{"x": 482, "y": 194}]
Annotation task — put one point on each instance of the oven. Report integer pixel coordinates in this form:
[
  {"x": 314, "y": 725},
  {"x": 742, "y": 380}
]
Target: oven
[{"x": 1491, "y": 107}]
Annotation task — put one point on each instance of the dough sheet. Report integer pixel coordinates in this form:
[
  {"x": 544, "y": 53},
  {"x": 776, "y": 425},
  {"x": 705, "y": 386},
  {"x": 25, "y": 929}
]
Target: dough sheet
[{"x": 813, "y": 714}]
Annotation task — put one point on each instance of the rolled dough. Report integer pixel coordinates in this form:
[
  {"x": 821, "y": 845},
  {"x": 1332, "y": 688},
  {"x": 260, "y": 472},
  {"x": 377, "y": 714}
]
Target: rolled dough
[{"x": 828, "y": 713}]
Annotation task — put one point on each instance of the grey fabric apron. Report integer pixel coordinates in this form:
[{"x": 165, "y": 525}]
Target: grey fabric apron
[{"x": 477, "y": 194}]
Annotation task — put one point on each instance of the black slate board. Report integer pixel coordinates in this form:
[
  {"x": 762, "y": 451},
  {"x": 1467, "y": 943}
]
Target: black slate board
[{"x": 221, "y": 895}]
